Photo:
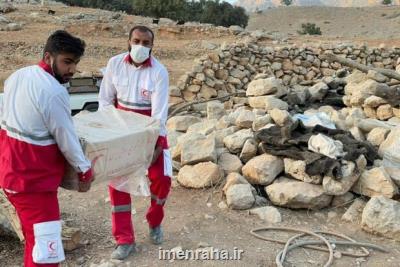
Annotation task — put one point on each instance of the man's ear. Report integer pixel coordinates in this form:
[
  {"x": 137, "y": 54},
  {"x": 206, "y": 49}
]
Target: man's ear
[{"x": 47, "y": 58}]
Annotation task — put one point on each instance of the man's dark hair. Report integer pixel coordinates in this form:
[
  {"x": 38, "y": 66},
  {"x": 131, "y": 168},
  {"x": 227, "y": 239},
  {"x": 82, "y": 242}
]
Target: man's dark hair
[
  {"x": 141, "y": 28},
  {"x": 62, "y": 42}
]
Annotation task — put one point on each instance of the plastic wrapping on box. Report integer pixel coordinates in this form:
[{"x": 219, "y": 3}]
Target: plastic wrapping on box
[{"x": 120, "y": 145}]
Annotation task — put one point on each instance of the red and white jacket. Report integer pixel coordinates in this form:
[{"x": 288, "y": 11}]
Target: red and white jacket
[
  {"x": 142, "y": 89},
  {"x": 37, "y": 133}
]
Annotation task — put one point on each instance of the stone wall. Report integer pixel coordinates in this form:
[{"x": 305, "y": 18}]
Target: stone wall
[{"x": 231, "y": 68}]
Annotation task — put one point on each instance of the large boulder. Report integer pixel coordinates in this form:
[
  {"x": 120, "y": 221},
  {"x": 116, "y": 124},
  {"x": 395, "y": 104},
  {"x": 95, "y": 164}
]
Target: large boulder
[
  {"x": 230, "y": 163},
  {"x": 201, "y": 175},
  {"x": 249, "y": 150},
  {"x": 374, "y": 101},
  {"x": 176, "y": 152},
  {"x": 235, "y": 142},
  {"x": 181, "y": 123},
  {"x": 375, "y": 182},
  {"x": 200, "y": 150},
  {"x": 260, "y": 122},
  {"x": 245, "y": 119},
  {"x": 382, "y": 216},
  {"x": 297, "y": 195},
  {"x": 353, "y": 213},
  {"x": 318, "y": 91},
  {"x": 337, "y": 187},
  {"x": 384, "y": 112},
  {"x": 262, "y": 169},
  {"x": 221, "y": 134},
  {"x": 262, "y": 87},
  {"x": 377, "y": 136},
  {"x": 267, "y": 102},
  {"x": 215, "y": 110},
  {"x": 280, "y": 117},
  {"x": 204, "y": 127},
  {"x": 240, "y": 197},
  {"x": 232, "y": 179},
  {"x": 359, "y": 92},
  {"x": 297, "y": 169}
]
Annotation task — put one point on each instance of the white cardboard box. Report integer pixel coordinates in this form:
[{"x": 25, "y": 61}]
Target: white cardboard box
[{"x": 119, "y": 144}]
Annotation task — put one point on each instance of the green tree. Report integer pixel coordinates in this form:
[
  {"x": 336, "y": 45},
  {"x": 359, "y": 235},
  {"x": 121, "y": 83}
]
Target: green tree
[
  {"x": 205, "y": 11},
  {"x": 287, "y": 2},
  {"x": 310, "y": 28},
  {"x": 387, "y": 2}
]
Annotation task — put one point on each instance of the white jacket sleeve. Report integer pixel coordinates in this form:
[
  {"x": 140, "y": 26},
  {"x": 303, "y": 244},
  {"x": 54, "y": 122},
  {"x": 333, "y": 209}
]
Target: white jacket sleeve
[
  {"x": 159, "y": 100},
  {"x": 59, "y": 122},
  {"x": 108, "y": 93}
]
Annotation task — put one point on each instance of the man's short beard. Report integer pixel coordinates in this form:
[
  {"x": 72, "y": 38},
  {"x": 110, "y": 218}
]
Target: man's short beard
[{"x": 58, "y": 77}]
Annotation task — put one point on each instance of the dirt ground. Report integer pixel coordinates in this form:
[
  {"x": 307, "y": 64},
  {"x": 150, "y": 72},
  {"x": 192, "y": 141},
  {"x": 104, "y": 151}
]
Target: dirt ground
[{"x": 192, "y": 216}]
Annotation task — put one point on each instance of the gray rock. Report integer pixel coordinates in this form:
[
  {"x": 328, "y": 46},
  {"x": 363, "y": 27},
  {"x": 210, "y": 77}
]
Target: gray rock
[
  {"x": 245, "y": 119},
  {"x": 297, "y": 195},
  {"x": 235, "y": 142},
  {"x": 384, "y": 112},
  {"x": 262, "y": 87},
  {"x": 13, "y": 27},
  {"x": 204, "y": 127},
  {"x": 230, "y": 163},
  {"x": 181, "y": 123},
  {"x": 382, "y": 216},
  {"x": 280, "y": 117},
  {"x": 353, "y": 213},
  {"x": 236, "y": 73},
  {"x": 185, "y": 138},
  {"x": 339, "y": 201},
  {"x": 268, "y": 214},
  {"x": 219, "y": 135},
  {"x": 236, "y": 29},
  {"x": 337, "y": 187},
  {"x": 267, "y": 103},
  {"x": 377, "y": 136},
  {"x": 297, "y": 170},
  {"x": 175, "y": 91},
  {"x": 232, "y": 179},
  {"x": 201, "y": 175},
  {"x": 249, "y": 150},
  {"x": 196, "y": 151},
  {"x": 222, "y": 74},
  {"x": 318, "y": 91},
  {"x": 260, "y": 122},
  {"x": 207, "y": 92},
  {"x": 262, "y": 169},
  {"x": 215, "y": 110},
  {"x": 374, "y": 101},
  {"x": 374, "y": 75},
  {"x": 240, "y": 197},
  {"x": 173, "y": 138},
  {"x": 375, "y": 182}
]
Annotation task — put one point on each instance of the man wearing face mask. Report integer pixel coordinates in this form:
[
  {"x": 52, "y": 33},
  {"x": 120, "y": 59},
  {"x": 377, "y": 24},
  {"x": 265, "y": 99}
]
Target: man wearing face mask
[
  {"x": 135, "y": 81},
  {"x": 37, "y": 135}
]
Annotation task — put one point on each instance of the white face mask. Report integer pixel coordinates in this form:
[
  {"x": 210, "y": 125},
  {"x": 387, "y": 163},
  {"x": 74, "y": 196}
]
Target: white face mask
[{"x": 139, "y": 53}]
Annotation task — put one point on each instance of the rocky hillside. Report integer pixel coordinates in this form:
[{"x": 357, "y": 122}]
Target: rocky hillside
[
  {"x": 252, "y": 5},
  {"x": 337, "y": 22}
]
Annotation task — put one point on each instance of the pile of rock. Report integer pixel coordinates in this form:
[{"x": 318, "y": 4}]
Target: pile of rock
[
  {"x": 101, "y": 16},
  {"x": 219, "y": 147},
  {"x": 8, "y": 25},
  {"x": 372, "y": 93},
  {"x": 7, "y": 8},
  {"x": 234, "y": 66}
]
